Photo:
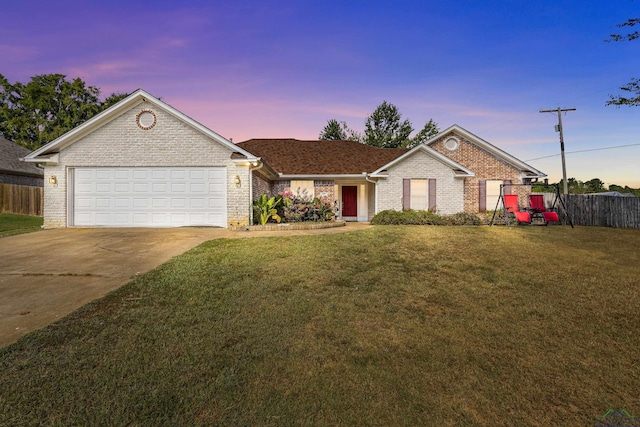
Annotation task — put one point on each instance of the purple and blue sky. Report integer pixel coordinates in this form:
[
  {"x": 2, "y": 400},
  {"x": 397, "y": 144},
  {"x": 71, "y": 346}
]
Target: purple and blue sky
[{"x": 270, "y": 69}]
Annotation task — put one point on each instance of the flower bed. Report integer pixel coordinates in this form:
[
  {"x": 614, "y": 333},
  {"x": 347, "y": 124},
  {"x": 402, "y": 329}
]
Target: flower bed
[
  {"x": 290, "y": 226},
  {"x": 288, "y": 207}
]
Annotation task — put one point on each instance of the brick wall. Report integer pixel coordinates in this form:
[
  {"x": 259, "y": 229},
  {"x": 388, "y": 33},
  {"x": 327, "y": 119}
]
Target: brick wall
[
  {"x": 449, "y": 190},
  {"x": 324, "y": 190},
  {"x": 278, "y": 187},
  {"x": 121, "y": 142},
  {"x": 485, "y": 166},
  {"x": 261, "y": 185}
]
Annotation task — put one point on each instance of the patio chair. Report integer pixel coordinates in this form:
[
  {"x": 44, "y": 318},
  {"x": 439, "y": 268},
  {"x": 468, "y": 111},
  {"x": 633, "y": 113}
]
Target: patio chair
[
  {"x": 511, "y": 206},
  {"x": 537, "y": 208}
]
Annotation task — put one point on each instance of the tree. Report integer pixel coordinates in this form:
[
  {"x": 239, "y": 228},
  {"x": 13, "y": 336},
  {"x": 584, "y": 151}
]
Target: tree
[
  {"x": 429, "y": 130},
  {"x": 384, "y": 129},
  {"x": 47, "y": 107},
  {"x": 633, "y": 87},
  {"x": 594, "y": 185},
  {"x": 339, "y": 131}
]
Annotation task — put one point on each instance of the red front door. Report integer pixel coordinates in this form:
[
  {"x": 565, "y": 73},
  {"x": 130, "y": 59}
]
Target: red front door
[{"x": 350, "y": 200}]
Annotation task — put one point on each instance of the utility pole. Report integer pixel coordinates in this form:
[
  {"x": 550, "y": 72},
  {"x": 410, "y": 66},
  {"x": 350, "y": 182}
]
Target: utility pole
[{"x": 559, "y": 129}]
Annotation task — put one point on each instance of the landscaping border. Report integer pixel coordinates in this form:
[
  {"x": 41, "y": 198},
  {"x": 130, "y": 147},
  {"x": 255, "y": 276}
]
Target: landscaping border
[{"x": 290, "y": 226}]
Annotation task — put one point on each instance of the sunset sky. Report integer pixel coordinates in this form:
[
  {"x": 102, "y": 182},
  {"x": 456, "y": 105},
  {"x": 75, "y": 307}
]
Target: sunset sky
[{"x": 270, "y": 69}]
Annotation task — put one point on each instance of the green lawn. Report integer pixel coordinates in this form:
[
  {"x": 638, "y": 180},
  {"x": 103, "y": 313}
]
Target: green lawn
[
  {"x": 11, "y": 224},
  {"x": 391, "y": 326}
]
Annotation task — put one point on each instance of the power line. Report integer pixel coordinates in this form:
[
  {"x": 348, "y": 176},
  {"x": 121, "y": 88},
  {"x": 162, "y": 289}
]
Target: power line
[{"x": 584, "y": 151}]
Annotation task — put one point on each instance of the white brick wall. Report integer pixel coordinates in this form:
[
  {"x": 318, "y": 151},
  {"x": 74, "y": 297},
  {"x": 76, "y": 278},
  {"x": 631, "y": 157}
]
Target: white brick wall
[
  {"x": 122, "y": 143},
  {"x": 420, "y": 165}
]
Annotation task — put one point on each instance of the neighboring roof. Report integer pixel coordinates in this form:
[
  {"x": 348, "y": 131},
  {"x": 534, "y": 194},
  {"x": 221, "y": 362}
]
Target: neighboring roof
[
  {"x": 296, "y": 157},
  {"x": 611, "y": 194},
  {"x": 10, "y": 155},
  {"x": 137, "y": 97},
  {"x": 528, "y": 170}
]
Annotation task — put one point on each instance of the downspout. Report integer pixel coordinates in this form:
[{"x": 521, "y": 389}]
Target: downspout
[
  {"x": 375, "y": 192},
  {"x": 251, "y": 169}
]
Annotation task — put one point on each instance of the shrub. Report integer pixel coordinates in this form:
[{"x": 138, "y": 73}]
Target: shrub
[
  {"x": 411, "y": 217},
  {"x": 464, "y": 218},
  {"x": 296, "y": 209},
  {"x": 266, "y": 208},
  {"x": 288, "y": 207}
]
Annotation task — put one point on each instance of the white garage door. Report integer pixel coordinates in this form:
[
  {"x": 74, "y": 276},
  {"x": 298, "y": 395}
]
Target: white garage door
[{"x": 149, "y": 197}]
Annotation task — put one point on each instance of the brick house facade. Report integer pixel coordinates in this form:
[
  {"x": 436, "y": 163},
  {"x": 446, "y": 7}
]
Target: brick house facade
[
  {"x": 488, "y": 164},
  {"x": 143, "y": 163}
]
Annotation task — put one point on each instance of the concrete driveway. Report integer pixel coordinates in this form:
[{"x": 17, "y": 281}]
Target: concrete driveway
[{"x": 46, "y": 275}]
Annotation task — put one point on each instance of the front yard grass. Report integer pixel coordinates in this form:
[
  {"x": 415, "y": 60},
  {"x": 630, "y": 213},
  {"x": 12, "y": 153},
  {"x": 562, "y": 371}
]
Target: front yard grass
[
  {"x": 11, "y": 224},
  {"x": 390, "y": 326}
]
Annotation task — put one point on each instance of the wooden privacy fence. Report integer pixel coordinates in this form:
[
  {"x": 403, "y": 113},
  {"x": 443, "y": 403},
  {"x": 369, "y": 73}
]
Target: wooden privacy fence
[
  {"x": 600, "y": 211},
  {"x": 21, "y": 199}
]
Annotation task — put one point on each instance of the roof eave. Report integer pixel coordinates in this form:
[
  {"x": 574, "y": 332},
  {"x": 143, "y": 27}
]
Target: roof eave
[
  {"x": 518, "y": 164},
  {"x": 322, "y": 176},
  {"x": 137, "y": 97},
  {"x": 51, "y": 159},
  {"x": 430, "y": 151}
]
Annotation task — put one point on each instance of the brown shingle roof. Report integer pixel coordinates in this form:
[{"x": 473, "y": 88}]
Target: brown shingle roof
[
  {"x": 295, "y": 157},
  {"x": 10, "y": 154}
]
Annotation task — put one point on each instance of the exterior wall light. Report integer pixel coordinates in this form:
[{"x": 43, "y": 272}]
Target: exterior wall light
[
  {"x": 237, "y": 181},
  {"x": 53, "y": 180}
]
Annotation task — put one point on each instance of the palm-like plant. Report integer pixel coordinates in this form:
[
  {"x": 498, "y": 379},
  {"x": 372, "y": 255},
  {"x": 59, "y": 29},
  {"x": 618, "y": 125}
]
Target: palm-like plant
[{"x": 267, "y": 208}]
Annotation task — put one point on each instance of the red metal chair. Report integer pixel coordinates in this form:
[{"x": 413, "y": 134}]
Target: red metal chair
[
  {"x": 537, "y": 208},
  {"x": 511, "y": 205}
]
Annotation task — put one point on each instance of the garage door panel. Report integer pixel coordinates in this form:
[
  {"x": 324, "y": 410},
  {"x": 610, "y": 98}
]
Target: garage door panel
[
  {"x": 141, "y": 203},
  {"x": 141, "y": 187},
  {"x": 101, "y": 187},
  {"x": 87, "y": 187},
  {"x": 159, "y": 187},
  {"x": 149, "y": 197},
  {"x": 178, "y": 202},
  {"x": 197, "y": 187},
  {"x": 197, "y": 203},
  {"x": 121, "y": 187},
  {"x": 198, "y": 174},
  {"x": 103, "y": 203},
  {"x": 84, "y": 202},
  {"x": 102, "y": 174},
  {"x": 178, "y": 187},
  {"x": 157, "y": 202},
  {"x": 178, "y": 174},
  {"x": 103, "y": 218},
  {"x": 120, "y": 173},
  {"x": 121, "y": 202},
  {"x": 141, "y": 174}
]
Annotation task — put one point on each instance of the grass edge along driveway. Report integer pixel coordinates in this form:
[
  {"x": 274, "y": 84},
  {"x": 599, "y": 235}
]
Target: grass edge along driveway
[
  {"x": 386, "y": 326},
  {"x": 12, "y": 224}
]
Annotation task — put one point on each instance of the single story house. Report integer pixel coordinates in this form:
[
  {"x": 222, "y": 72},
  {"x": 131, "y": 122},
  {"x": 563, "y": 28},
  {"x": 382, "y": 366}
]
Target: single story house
[
  {"x": 13, "y": 170},
  {"x": 142, "y": 163}
]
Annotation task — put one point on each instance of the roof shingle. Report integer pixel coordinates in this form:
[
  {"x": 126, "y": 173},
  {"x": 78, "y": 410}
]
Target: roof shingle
[
  {"x": 10, "y": 154},
  {"x": 296, "y": 157}
]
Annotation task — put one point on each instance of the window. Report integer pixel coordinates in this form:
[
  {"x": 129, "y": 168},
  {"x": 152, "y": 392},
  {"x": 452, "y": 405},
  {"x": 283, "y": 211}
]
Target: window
[
  {"x": 303, "y": 189},
  {"x": 419, "y": 194},
  {"x": 493, "y": 193}
]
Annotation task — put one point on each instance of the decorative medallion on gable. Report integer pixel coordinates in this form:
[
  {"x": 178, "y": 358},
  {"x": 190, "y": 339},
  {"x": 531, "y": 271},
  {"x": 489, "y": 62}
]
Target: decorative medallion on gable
[
  {"x": 451, "y": 143},
  {"x": 146, "y": 119}
]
